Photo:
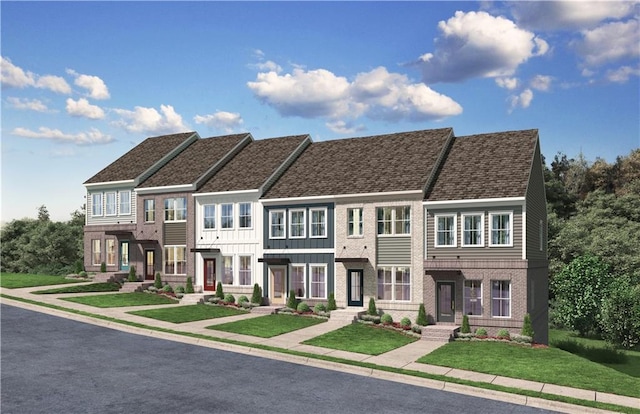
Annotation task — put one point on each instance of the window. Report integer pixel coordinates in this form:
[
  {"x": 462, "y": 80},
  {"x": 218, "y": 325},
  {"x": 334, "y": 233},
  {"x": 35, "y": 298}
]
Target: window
[
  {"x": 445, "y": 230},
  {"x": 277, "y": 224},
  {"x": 111, "y": 252},
  {"x": 110, "y": 204},
  {"x": 501, "y": 298},
  {"x": 501, "y": 225},
  {"x": 175, "y": 209},
  {"x": 175, "y": 262},
  {"x": 96, "y": 204},
  {"x": 318, "y": 222},
  {"x": 297, "y": 280},
  {"x": 227, "y": 271},
  {"x": 226, "y": 216},
  {"x": 125, "y": 202},
  {"x": 472, "y": 297},
  {"x": 472, "y": 230},
  {"x": 296, "y": 224},
  {"x": 318, "y": 283},
  {"x": 209, "y": 214},
  {"x": 394, "y": 220},
  {"x": 541, "y": 235},
  {"x": 96, "y": 252},
  {"x": 394, "y": 283},
  {"x": 245, "y": 270},
  {"x": 354, "y": 221},
  {"x": 149, "y": 210},
  {"x": 245, "y": 215}
]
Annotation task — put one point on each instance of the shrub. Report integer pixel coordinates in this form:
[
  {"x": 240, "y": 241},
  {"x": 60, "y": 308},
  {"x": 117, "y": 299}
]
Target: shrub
[
  {"x": 422, "y": 316},
  {"x": 319, "y": 308},
  {"x": 372, "y": 307},
  {"x": 303, "y": 307},
  {"x": 620, "y": 321},
  {"x": 214, "y": 299},
  {"x": 503, "y": 334},
  {"x": 167, "y": 288},
  {"x": 523, "y": 339},
  {"x": 331, "y": 305},
  {"x": 179, "y": 289},
  {"x": 481, "y": 332},
  {"x": 189, "y": 288},
  {"x": 465, "y": 328},
  {"x": 82, "y": 274},
  {"x": 242, "y": 299},
  {"x": 405, "y": 322},
  {"x": 103, "y": 267},
  {"x": 219, "y": 291},
  {"x": 229, "y": 298},
  {"x": 152, "y": 289},
  {"x": 386, "y": 319},
  {"x": 132, "y": 274},
  {"x": 256, "y": 296},
  {"x": 158, "y": 281},
  {"x": 79, "y": 266},
  {"x": 292, "y": 303},
  {"x": 370, "y": 318},
  {"x": 527, "y": 328}
]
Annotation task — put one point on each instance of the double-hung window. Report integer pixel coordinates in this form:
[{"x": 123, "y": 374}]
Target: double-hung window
[
  {"x": 318, "y": 222},
  {"x": 473, "y": 230},
  {"x": 277, "y": 224},
  {"x": 245, "y": 270},
  {"x": 209, "y": 215},
  {"x": 445, "y": 230},
  {"x": 394, "y": 283},
  {"x": 501, "y": 229},
  {"x": 297, "y": 224},
  {"x": 245, "y": 215},
  {"x": 175, "y": 260},
  {"x": 501, "y": 298},
  {"x": 226, "y": 216},
  {"x": 298, "y": 277},
  {"x": 111, "y": 252},
  {"x": 227, "y": 271},
  {"x": 125, "y": 202},
  {"x": 110, "y": 203},
  {"x": 472, "y": 297},
  {"x": 175, "y": 209},
  {"x": 96, "y": 252},
  {"x": 354, "y": 222},
  {"x": 394, "y": 220},
  {"x": 96, "y": 204},
  {"x": 149, "y": 210},
  {"x": 318, "y": 282}
]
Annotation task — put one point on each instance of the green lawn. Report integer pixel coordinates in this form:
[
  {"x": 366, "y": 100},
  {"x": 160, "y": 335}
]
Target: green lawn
[
  {"x": 93, "y": 287},
  {"x": 548, "y": 365},
  {"x": 21, "y": 280},
  {"x": 122, "y": 299},
  {"x": 181, "y": 314},
  {"x": 268, "y": 326},
  {"x": 361, "y": 338}
]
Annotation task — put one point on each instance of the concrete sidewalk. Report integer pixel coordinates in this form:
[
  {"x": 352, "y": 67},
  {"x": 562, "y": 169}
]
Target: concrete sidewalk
[{"x": 403, "y": 357}]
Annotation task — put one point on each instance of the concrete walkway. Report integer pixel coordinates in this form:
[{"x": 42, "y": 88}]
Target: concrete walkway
[{"x": 403, "y": 357}]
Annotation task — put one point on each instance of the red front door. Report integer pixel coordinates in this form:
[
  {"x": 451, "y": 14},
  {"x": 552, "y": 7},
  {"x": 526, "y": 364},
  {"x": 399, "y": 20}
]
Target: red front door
[{"x": 209, "y": 274}]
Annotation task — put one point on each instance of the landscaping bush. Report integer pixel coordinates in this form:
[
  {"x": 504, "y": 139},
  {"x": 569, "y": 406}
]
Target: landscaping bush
[
  {"x": 152, "y": 289},
  {"x": 370, "y": 318},
  {"x": 229, "y": 298},
  {"x": 256, "y": 297},
  {"x": 620, "y": 316},
  {"x": 82, "y": 274},
  {"x": 405, "y": 322},
  {"x": 522, "y": 339},
  {"x": 292, "y": 302},
  {"x": 481, "y": 332},
  {"x": 465, "y": 328},
  {"x": 422, "y": 316},
  {"x": 189, "y": 288},
  {"x": 167, "y": 288},
  {"x": 319, "y": 308},
  {"x": 103, "y": 267},
  {"x": 158, "y": 281},
  {"x": 242, "y": 299},
  {"x": 132, "y": 274},
  {"x": 372, "y": 307},
  {"x": 527, "y": 328},
  {"x": 303, "y": 307},
  {"x": 503, "y": 334},
  {"x": 78, "y": 266},
  {"x": 219, "y": 291},
  {"x": 331, "y": 305},
  {"x": 386, "y": 319},
  {"x": 179, "y": 289}
]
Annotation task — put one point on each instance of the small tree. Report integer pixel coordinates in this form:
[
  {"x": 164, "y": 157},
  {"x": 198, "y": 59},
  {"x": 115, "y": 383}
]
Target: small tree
[
  {"x": 219, "y": 291},
  {"x": 527, "y": 328},
  {"x": 158, "y": 281},
  {"x": 291, "y": 300},
  {"x": 422, "y": 316},
  {"x": 621, "y": 316},
  {"x": 372, "y": 308},
  {"x": 331, "y": 304},
  {"x": 132, "y": 274},
  {"x": 465, "y": 328},
  {"x": 103, "y": 267},
  {"x": 189, "y": 288},
  {"x": 256, "y": 297}
]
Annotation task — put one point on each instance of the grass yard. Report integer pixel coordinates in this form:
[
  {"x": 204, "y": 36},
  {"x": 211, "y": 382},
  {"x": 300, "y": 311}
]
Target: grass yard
[
  {"x": 94, "y": 287},
  {"x": 181, "y": 314},
  {"x": 122, "y": 299},
  {"x": 361, "y": 338},
  {"x": 268, "y": 326},
  {"x": 22, "y": 280},
  {"x": 548, "y": 365}
]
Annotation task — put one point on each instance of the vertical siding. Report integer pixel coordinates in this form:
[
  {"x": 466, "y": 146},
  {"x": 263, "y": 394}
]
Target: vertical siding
[
  {"x": 536, "y": 211},
  {"x": 394, "y": 250},
  {"x": 302, "y": 258},
  {"x": 304, "y": 243}
]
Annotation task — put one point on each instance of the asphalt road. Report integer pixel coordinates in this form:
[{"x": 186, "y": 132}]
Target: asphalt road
[{"x": 55, "y": 365}]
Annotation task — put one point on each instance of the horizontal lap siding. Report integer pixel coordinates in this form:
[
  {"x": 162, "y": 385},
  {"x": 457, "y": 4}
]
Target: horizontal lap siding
[
  {"x": 106, "y": 220},
  {"x": 394, "y": 250},
  {"x": 536, "y": 211},
  {"x": 175, "y": 234}
]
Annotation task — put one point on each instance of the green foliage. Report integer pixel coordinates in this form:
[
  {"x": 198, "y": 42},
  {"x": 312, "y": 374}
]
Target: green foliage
[
  {"x": 503, "y": 334},
  {"x": 303, "y": 307},
  {"x": 180, "y": 289},
  {"x": 242, "y": 299},
  {"x": 158, "y": 281},
  {"x": 331, "y": 305},
  {"x": 103, "y": 267},
  {"x": 465, "y": 328},
  {"x": 189, "y": 288},
  {"x": 481, "y": 332},
  {"x": 219, "y": 291},
  {"x": 372, "y": 307},
  {"x": 256, "y": 297},
  {"x": 386, "y": 319},
  {"x": 319, "y": 308},
  {"x": 422, "y": 316},
  {"x": 82, "y": 273},
  {"x": 132, "y": 274},
  {"x": 167, "y": 288},
  {"x": 406, "y": 322},
  {"x": 527, "y": 328},
  {"x": 79, "y": 266},
  {"x": 580, "y": 289},
  {"x": 620, "y": 316},
  {"x": 229, "y": 298},
  {"x": 291, "y": 300}
]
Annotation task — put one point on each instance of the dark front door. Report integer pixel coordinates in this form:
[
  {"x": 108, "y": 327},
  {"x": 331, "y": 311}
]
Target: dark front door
[
  {"x": 209, "y": 274},
  {"x": 354, "y": 287},
  {"x": 446, "y": 301},
  {"x": 149, "y": 265}
]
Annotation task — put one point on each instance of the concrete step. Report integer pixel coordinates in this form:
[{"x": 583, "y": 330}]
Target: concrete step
[
  {"x": 265, "y": 310},
  {"x": 345, "y": 315},
  {"x": 109, "y": 277},
  {"x": 194, "y": 298},
  {"x": 135, "y": 286},
  {"x": 439, "y": 333}
]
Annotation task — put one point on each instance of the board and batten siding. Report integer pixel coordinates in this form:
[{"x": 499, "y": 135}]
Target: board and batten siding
[
  {"x": 175, "y": 234},
  {"x": 306, "y": 259},
  {"x": 116, "y": 219},
  {"x": 536, "y": 211},
  {"x": 307, "y": 242},
  {"x": 393, "y": 250},
  {"x": 474, "y": 253}
]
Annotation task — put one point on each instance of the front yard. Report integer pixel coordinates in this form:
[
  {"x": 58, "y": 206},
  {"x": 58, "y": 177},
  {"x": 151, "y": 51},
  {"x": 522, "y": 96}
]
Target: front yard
[
  {"x": 21, "y": 280},
  {"x": 93, "y": 287},
  {"x": 190, "y": 313},
  {"x": 361, "y": 338},
  {"x": 268, "y": 326}
]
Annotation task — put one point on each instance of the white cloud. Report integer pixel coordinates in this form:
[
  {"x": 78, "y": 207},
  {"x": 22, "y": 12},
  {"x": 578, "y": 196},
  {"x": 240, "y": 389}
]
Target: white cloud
[
  {"x": 508, "y": 83},
  {"x": 225, "y": 121},
  {"x": 84, "y": 109},
  {"x": 14, "y": 76},
  {"x": 93, "y": 136},
  {"x": 609, "y": 42},
  {"x": 53, "y": 83},
  {"x": 150, "y": 121},
  {"x": 342, "y": 127},
  {"x": 541, "y": 82},
  {"x": 28, "y": 104},
  {"x": 94, "y": 85},
  {"x": 622, "y": 75},
  {"x": 523, "y": 100},
  {"x": 477, "y": 44}
]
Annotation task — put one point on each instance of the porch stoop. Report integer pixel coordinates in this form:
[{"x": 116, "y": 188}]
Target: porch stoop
[
  {"x": 439, "y": 333},
  {"x": 345, "y": 315},
  {"x": 110, "y": 277},
  {"x": 265, "y": 310},
  {"x": 194, "y": 298},
  {"x": 135, "y": 286}
]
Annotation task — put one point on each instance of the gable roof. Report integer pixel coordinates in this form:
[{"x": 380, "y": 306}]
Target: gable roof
[
  {"x": 383, "y": 163},
  {"x": 196, "y": 161},
  {"x": 135, "y": 163},
  {"x": 495, "y": 165},
  {"x": 254, "y": 165}
]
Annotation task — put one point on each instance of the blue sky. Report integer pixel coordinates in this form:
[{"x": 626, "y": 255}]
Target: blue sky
[{"x": 82, "y": 83}]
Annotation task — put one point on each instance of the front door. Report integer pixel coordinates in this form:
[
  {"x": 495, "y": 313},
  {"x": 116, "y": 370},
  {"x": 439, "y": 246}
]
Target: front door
[
  {"x": 149, "y": 268},
  {"x": 124, "y": 255},
  {"x": 446, "y": 301},
  {"x": 209, "y": 274},
  {"x": 354, "y": 287},
  {"x": 278, "y": 285}
]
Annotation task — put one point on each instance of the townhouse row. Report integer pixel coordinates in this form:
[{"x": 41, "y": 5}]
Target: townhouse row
[{"x": 456, "y": 223}]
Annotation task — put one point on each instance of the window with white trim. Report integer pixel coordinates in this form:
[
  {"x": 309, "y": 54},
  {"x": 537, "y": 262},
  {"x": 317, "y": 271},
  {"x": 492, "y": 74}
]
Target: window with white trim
[
  {"x": 445, "y": 230},
  {"x": 110, "y": 203},
  {"x": 175, "y": 260},
  {"x": 125, "y": 202},
  {"x": 244, "y": 215},
  {"x": 96, "y": 204},
  {"x": 297, "y": 224},
  {"x": 318, "y": 222},
  {"x": 111, "y": 252},
  {"x": 394, "y": 220},
  {"x": 209, "y": 216},
  {"x": 226, "y": 216},
  {"x": 354, "y": 222},
  {"x": 175, "y": 209},
  {"x": 501, "y": 229},
  {"x": 472, "y": 297},
  {"x": 149, "y": 210},
  {"x": 298, "y": 277},
  {"x": 277, "y": 224},
  {"x": 318, "y": 282},
  {"x": 501, "y": 298},
  {"x": 96, "y": 251},
  {"x": 394, "y": 283},
  {"x": 227, "y": 270},
  {"x": 541, "y": 235},
  {"x": 245, "y": 271},
  {"x": 473, "y": 230}
]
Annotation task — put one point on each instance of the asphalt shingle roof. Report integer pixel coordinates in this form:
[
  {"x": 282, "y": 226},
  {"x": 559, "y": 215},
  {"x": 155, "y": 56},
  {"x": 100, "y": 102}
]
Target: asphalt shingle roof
[
  {"x": 383, "y": 163},
  {"x": 139, "y": 159},
  {"x": 251, "y": 168},
  {"x": 491, "y": 165}
]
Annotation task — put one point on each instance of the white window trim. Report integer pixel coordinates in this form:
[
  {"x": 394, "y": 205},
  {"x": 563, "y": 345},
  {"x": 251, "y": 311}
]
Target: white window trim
[
  {"x": 215, "y": 217},
  {"x": 304, "y": 278},
  {"x": 175, "y": 210},
  {"x": 93, "y": 203},
  {"x": 326, "y": 231},
  {"x": 120, "y": 202},
  {"x": 234, "y": 276},
  {"x": 501, "y": 213},
  {"x": 455, "y": 232},
  {"x": 393, "y": 233},
  {"x": 175, "y": 261},
  {"x": 462, "y": 229},
  {"x": 464, "y": 309},
  {"x": 106, "y": 252},
  {"x": 250, "y": 215},
  {"x": 304, "y": 223},
  {"x": 115, "y": 203},
  {"x": 251, "y": 268},
  {"x": 326, "y": 279},
  {"x": 510, "y": 300},
  {"x": 284, "y": 224},
  {"x": 356, "y": 225},
  {"x": 393, "y": 283},
  {"x": 233, "y": 216},
  {"x": 144, "y": 210},
  {"x": 93, "y": 252}
]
